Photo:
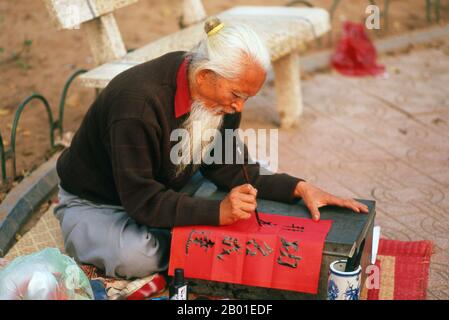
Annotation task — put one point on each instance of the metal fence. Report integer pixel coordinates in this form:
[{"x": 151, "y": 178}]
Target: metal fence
[
  {"x": 433, "y": 8},
  {"x": 10, "y": 153}
]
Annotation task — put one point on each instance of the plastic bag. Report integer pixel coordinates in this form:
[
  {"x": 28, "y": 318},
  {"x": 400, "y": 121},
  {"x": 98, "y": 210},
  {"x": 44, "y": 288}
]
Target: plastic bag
[
  {"x": 44, "y": 275},
  {"x": 355, "y": 55}
]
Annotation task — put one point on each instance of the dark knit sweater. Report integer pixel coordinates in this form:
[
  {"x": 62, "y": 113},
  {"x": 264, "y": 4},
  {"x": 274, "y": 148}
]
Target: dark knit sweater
[{"x": 120, "y": 155}]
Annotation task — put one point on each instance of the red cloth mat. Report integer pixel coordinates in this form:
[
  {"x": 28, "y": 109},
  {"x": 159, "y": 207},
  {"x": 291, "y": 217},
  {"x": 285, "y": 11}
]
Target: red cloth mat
[
  {"x": 404, "y": 270},
  {"x": 285, "y": 253}
]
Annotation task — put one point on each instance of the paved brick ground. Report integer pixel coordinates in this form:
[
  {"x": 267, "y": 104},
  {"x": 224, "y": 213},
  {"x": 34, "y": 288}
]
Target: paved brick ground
[{"x": 382, "y": 139}]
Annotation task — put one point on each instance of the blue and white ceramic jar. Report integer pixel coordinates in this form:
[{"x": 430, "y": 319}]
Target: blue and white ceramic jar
[{"x": 343, "y": 285}]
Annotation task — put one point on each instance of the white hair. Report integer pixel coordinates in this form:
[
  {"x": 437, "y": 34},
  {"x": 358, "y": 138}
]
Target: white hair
[{"x": 223, "y": 52}]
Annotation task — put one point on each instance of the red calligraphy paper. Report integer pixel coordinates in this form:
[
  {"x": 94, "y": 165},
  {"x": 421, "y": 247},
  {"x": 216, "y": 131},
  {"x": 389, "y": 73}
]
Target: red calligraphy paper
[{"x": 285, "y": 253}]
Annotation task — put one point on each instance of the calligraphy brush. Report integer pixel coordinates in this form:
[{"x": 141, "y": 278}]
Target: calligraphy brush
[{"x": 245, "y": 174}]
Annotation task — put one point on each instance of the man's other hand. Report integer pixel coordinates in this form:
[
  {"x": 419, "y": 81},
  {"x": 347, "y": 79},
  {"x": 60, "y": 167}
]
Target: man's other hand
[
  {"x": 240, "y": 203},
  {"x": 315, "y": 198}
]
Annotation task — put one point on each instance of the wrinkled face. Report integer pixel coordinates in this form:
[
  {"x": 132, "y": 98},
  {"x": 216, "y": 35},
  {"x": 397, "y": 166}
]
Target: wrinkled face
[{"x": 222, "y": 95}]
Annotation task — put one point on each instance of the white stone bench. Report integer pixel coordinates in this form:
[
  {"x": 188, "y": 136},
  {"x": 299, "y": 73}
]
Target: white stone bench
[{"x": 282, "y": 29}]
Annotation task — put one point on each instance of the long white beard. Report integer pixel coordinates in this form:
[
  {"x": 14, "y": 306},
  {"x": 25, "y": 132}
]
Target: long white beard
[{"x": 196, "y": 147}]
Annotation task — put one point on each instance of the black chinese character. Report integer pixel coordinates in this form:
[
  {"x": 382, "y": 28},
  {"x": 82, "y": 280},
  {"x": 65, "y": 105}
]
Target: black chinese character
[
  {"x": 200, "y": 238},
  {"x": 232, "y": 243},
  {"x": 265, "y": 250},
  {"x": 293, "y": 228},
  {"x": 286, "y": 256}
]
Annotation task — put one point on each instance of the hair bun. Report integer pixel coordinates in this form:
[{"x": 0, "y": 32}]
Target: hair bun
[{"x": 212, "y": 26}]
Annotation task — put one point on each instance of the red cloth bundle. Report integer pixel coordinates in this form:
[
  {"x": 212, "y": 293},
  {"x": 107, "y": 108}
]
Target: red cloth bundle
[
  {"x": 355, "y": 55},
  {"x": 120, "y": 289}
]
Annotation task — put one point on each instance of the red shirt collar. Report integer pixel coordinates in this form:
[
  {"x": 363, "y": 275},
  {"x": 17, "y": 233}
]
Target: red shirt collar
[{"x": 183, "y": 101}]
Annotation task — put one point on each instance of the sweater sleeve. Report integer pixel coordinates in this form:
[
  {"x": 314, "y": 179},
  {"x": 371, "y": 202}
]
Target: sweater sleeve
[
  {"x": 135, "y": 152},
  {"x": 277, "y": 187}
]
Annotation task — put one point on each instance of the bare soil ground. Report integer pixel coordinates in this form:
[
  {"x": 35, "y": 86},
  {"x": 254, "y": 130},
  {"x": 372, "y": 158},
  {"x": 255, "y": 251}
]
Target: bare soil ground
[{"x": 35, "y": 57}]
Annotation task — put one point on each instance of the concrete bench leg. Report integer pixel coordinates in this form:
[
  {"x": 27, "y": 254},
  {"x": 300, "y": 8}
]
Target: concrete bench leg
[
  {"x": 105, "y": 39},
  {"x": 288, "y": 89}
]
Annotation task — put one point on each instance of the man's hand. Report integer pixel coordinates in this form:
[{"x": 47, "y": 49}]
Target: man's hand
[
  {"x": 315, "y": 198},
  {"x": 238, "y": 204}
]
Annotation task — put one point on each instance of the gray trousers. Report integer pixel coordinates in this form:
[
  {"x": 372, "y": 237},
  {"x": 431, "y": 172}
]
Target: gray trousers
[{"x": 106, "y": 237}]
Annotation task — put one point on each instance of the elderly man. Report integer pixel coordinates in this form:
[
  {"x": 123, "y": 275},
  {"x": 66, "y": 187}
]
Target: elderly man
[{"x": 119, "y": 186}]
